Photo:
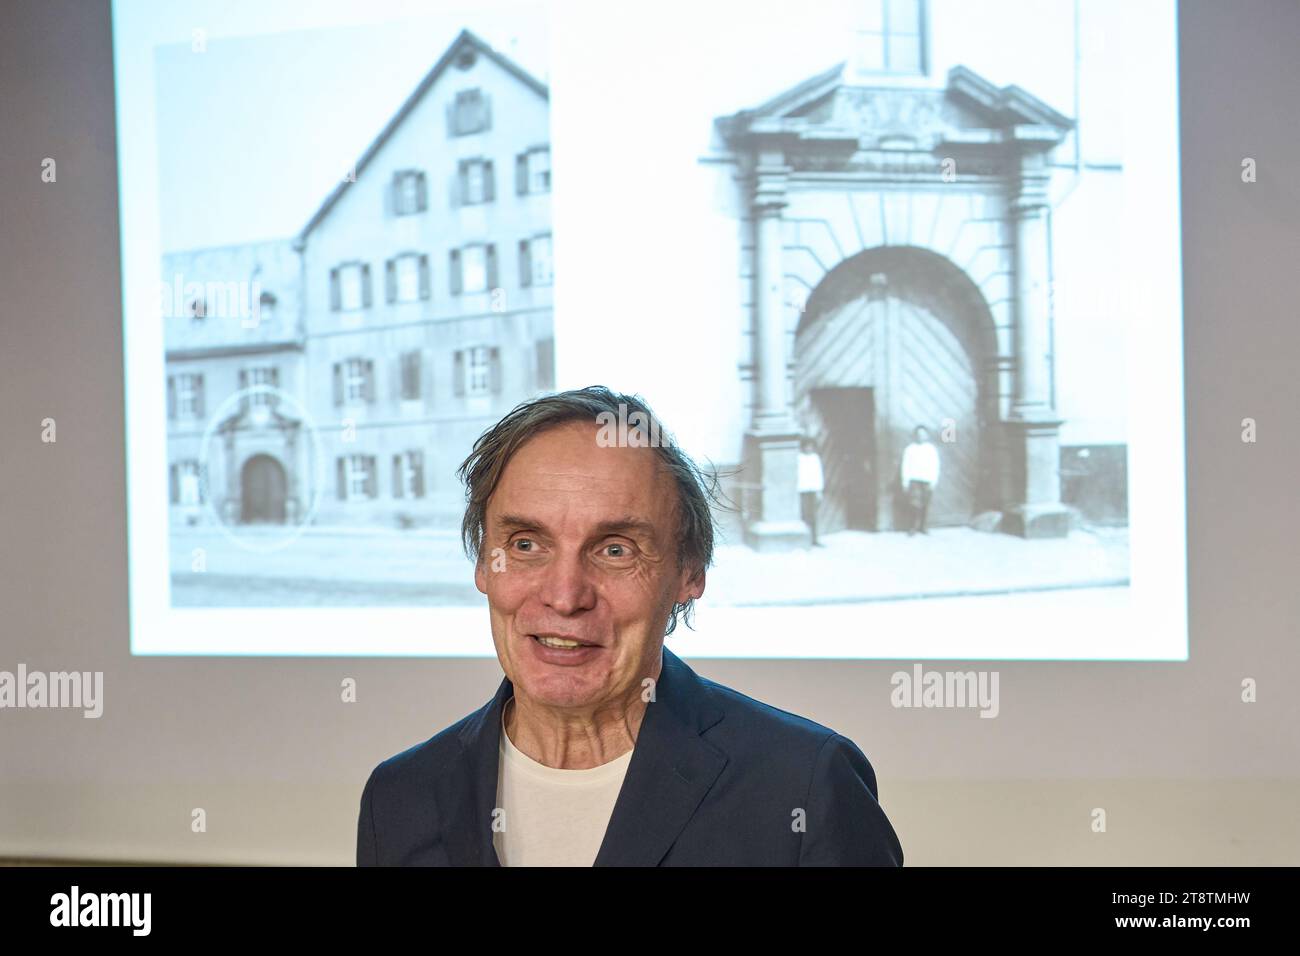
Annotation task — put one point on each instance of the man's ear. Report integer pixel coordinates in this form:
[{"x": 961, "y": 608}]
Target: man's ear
[
  {"x": 480, "y": 575},
  {"x": 691, "y": 587}
]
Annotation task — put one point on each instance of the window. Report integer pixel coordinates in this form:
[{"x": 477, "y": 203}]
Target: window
[
  {"x": 350, "y": 287},
  {"x": 186, "y": 488},
  {"x": 408, "y": 475},
  {"x": 477, "y": 181},
  {"x": 410, "y": 192},
  {"x": 891, "y": 37},
  {"x": 266, "y": 303},
  {"x": 407, "y": 278},
  {"x": 198, "y": 309},
  {"x": 477, "y": 371},
  {"x": 185, "y": 396},
  {"x": 411, "y": 367},
  {"x": 356, "y": 477},
  {"x": 259, "y": 375},
  {"x": 533, "y": 171},
  {"x": 535, "y": 261},
  {"x": 354, "y": 381},
  {"x": 473, "y": 268},
  {"x": 470, "y": 112}
]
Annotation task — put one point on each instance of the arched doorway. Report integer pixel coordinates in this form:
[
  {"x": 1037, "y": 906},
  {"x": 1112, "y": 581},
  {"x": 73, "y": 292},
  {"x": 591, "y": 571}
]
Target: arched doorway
[
  {"x": 262, "y": 488},
  {"x": 892, "y": 338}
]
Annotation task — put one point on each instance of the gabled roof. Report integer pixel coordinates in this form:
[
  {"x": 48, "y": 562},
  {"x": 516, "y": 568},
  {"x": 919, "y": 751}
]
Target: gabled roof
[{"x": 466, "y": 38}]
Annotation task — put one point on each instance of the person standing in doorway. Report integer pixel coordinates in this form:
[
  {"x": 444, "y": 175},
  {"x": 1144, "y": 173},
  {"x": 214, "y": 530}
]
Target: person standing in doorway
[
  {"x": 920, "y": 473},
  {"x": 811, "y": 484}
]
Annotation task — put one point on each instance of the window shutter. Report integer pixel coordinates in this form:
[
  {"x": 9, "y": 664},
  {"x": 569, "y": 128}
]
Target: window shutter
[
  {"x": 525, "y": 264},
  {"x": 395, "y": 194},
  {"x": 175, "y": 484},
  {"x": 458, "y": 381},
  {"x": 342, "y": 477},
  {"x": 426, "y": 283},
  {"x": 417, "y": 466},
  {"x": 546, "y": 364},
  {"x": 338, "y": 383},
  {"x": 489, "y": 182},
  {"x": 486, "y": 111},
  {"x": 390, "y": 280},
  {"x": 397, "y": 476},
  {"x": 372, "y": 485},
  {"x": 171, "y": 396},
  {"x": 198, "y": 396},
  {"x": 370, "y": 380},
  {"x": 494, "y": 368},
  {"x": 521, "y": 174},
  {"x": 336, "y": 296},
  {"x": 365, "y": 286},
  {"x": 454, "y": 272},
  {"x": 243, "y": 384},
  {"x": 491, "y": 266},
  {"x": 462, "y": 183},
  {"x": 421, "y": 192}
]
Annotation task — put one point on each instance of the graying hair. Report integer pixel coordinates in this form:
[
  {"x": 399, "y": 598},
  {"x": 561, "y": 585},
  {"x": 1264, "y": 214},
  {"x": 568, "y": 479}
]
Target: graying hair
[{"x": 697, "y": 489}]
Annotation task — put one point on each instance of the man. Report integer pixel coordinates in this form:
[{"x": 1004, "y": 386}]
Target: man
[
  {"x": 811, "y": 484},
  {"x": 601, "y": 746},
  {"x": 919, "y": 474}
]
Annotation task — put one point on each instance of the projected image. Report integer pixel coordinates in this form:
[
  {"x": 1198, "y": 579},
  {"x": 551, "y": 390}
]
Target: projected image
[
  {"x": 905, "y": 273},
  {"x": 322, "y": 387},
  {"x": 932, "y": 398}
]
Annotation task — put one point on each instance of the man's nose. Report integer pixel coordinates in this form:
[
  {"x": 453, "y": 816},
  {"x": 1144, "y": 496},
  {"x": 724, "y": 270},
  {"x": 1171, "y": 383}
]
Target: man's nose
[{"x": 566, "y": 585}]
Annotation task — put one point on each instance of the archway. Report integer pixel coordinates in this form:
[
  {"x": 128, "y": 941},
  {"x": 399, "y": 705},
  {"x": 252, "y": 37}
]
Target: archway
[
  {"x": 892, "y": 338},
  {"x": 263, "y": 492}
]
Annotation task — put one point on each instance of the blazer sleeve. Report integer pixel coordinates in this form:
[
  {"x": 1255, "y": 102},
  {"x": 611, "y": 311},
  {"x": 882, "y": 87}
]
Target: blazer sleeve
[
  {"x": 845, "y": 824},
  {"x": 367, "y": 850}
]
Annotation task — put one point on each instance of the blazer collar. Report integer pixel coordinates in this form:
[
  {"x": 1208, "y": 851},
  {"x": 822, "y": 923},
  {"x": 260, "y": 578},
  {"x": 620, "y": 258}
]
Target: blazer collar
[{"x": 671, "y": 770}]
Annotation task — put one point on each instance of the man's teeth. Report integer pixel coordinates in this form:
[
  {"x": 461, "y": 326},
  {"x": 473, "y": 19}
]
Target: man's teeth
[{"x": 558, "y": 642}]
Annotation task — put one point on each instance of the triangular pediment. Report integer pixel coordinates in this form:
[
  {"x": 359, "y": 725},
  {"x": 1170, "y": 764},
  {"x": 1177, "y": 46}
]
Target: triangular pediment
[{"x": 967, "y": 111}]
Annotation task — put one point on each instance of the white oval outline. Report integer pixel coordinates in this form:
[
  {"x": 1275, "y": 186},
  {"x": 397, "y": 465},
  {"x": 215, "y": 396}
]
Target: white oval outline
[{"x": 309, "y": 426}]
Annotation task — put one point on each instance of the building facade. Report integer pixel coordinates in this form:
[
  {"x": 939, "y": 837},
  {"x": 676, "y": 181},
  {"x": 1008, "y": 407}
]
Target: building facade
[
  {"x": 897, "y": 270},
  {"x": 422, "y": 297}
]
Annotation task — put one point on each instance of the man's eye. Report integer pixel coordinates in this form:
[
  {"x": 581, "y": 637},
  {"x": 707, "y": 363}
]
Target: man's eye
[
  {"x": 617, "y": 550},
  {"x": 523, "y": 541}
]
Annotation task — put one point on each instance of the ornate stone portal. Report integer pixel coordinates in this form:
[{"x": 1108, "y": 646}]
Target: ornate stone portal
[{"x": 924, "y": 213}]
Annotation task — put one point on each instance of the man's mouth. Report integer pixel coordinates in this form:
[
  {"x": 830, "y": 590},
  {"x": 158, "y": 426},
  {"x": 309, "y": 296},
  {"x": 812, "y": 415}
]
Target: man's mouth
[{"x": 555, "y": 640}]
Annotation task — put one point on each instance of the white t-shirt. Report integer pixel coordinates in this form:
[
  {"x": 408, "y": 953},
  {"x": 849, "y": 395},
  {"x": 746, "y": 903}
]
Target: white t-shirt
[{"x": 552, "y": 817}]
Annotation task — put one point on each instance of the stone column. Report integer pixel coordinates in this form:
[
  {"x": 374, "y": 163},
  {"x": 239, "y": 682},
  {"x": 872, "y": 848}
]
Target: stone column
[
  {"x": 771, "y": 452},
  {"x": 1035, "y": 510}
]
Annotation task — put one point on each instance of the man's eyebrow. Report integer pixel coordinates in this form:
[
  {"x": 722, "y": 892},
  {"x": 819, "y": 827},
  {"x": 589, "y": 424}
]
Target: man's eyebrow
[{"x": 626, "y": 524}]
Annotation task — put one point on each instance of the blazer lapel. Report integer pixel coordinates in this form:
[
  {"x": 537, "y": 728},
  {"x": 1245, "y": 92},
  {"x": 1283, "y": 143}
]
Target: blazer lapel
[
  {"x": 671, "y": 770},
  {"x": 466, "y": 791}
]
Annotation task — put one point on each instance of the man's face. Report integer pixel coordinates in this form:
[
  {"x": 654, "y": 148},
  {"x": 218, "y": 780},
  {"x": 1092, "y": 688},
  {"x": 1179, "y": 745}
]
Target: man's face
[{"x": 580, "y": 542}]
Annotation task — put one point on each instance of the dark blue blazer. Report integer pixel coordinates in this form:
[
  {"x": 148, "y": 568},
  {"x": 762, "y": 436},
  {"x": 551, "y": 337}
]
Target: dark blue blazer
[{"x": 716, "y": 779}]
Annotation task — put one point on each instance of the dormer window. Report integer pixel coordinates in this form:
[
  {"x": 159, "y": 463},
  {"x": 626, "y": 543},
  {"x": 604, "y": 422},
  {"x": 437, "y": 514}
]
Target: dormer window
[{"x": 198, "y": 309}]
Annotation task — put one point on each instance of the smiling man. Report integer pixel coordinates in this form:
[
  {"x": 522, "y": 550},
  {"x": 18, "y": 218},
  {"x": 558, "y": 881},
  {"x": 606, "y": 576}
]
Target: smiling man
[{"x": 601, "y": 747}]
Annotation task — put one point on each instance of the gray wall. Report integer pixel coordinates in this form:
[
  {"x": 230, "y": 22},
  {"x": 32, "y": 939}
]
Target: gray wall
[{"x": 1186, "y": 772}]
